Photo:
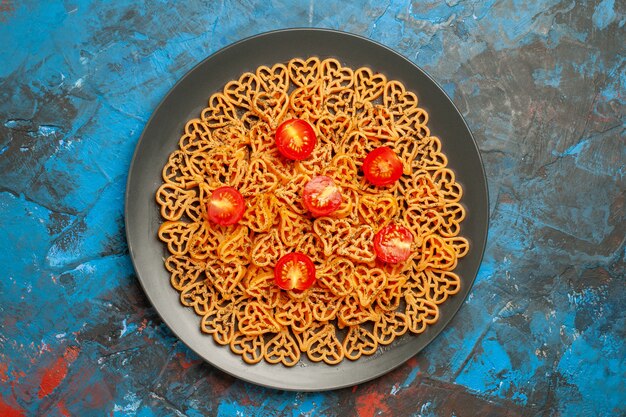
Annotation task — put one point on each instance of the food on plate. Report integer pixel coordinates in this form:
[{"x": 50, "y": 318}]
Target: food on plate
[
  {"x": 226, "y": 206},
  {"x": 309, "y": 214},
  {"x": 393, "y": 243},
  {"x": 295, "y": 139},
  {"x": 321, "y": 196},
  {"x": 294, "y": 271},
  {"x": 382, "y": 166}
]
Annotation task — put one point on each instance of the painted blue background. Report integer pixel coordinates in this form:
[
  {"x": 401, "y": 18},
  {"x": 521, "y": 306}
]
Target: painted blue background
[{"x": 542, "y": 86}]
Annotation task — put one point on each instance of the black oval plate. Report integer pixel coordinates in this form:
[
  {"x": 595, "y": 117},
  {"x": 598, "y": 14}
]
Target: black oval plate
[{"x": 185, "y": 101}]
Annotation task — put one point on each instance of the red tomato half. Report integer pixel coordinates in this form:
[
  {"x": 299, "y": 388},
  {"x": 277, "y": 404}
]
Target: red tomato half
[
  {"x": 392, "y": 244},
  {"x": 382, "y": 166},
  {"x": 294, "y": 271},
  {"x": 225, "y": 206},
  {"x": 295, "y": 139},
  {"x": 321, "y": 196}
]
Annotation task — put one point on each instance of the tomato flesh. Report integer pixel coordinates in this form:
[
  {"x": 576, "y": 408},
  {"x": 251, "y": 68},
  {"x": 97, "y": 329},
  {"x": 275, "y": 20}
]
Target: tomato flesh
[
  {"x": 321, "y": 196},
  {"x": 392, "y": 244},
  {"x": 382, "y": 166},
  {"x": 225, "y": 206},
  {"x": 294, "y": 271},
  {"x": 295, "y": 139}
]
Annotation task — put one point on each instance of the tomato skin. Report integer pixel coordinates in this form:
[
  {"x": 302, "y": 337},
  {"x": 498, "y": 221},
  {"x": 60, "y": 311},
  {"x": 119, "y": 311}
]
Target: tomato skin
[
  {"x": 225, "y": 206},
  {"x": 382, "y": 166},
  {"x": 295, "y": 139},
  {"x": 321, "y": 196},
  {"x": 294, "y": 271},
  {"x": 392, "y": 244}
]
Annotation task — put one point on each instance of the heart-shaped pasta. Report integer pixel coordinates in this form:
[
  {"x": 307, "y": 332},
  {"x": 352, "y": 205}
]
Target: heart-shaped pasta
[
  {"x": 267, "y": 249},
  {"x": 436, "y": 253},
  {"x": 199, "y": 296},
  {"x": 308, "y": 101},
  {"x": 370, "y": 281},
  {"x": 368, "y": 86},
  {"x": 261, "y": 213},
  {"x": 220, "y": 112},
  {"x": 312, "y": 246},
  {"x": 303, "y": 73},
  {"x": 420, "y": 313},
  {"x": 255, "y": 320},
  {"x": 275, "y": 79},
  {"x": 250, "y": 348},
  {"x": 315, "y": 163},
  {"x": 391, "y": 295},
  {"x": 205, "y": 242},
  {"x": 337, "y": 275},
  {"x": 358, "y": 342},
  {"x": 197, "y": 137},
  {"x": 173, "y": 201},
  {"x": 184, "y": 271},
  {"x": 450, "y": 189},
  {"x": 324, "y": 304},
  {"x": 296, "y": 314},
  {"x": 258, "y": 179},
  {"x": 451, "y": 216},
  {"x": 377, "y": 210},
  {"x": 389, "y": 325},
  {"x": 239, "y": 93},
  {"x": 233, "y": 134},
  {"x": 177, "y": 172},
  {"x": 259, "y": 285},
  {"x": 235, "y": 243},
  {"x": 292, "y": 226},
  {"x": 412, "y": 123},
  {"x": 342, "y": 168},
  {"x": 357, "y": 303},
  {"x": 341, "y": 105},
  {"x": 261, "y": 139},
  {"x": 441, "y": 284},
  {"x": 289, "y": 195},
  {"x": 325, "y": 347},
  {"x": 271, "y": 107},
  {"x": 378, "y": 125},
  {"x": 176, "y": 235},
  {"x": 220, "y": 322},
  {"x": 397, "y": 100},
  {"x": 359, "y": 246},
  {"x": 225, "y": 276},
  {"x": 333, "y": 233},
  {"x": 282, "y": 348},
  {"x": 336, "y": 78},
  {"x": 431, "y": 158},
  {"x": 353, "y": 313}
]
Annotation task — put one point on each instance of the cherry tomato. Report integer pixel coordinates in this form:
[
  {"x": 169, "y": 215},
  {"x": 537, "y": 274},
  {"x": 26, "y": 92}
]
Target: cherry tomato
[
  {"x": 321, "y": 196},
  {"x": 382, "y": 166},
  {"x": 392, "y": 244},
  {"x": 225, "y": 206},
  {"x": 294, "y": 271},
  {"x": 295, "y": 139}
]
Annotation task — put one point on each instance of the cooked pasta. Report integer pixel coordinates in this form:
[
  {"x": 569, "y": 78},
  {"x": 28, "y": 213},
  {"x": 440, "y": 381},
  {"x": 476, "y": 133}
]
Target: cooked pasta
[{"x": 357, "y": 304}]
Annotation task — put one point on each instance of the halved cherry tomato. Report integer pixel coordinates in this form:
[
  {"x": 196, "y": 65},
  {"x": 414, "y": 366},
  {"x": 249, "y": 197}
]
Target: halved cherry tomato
[
  {"x": 321, "y": 196},
  {"x": 225, "y": 206},
  {"x": 392, "y": 244},
  {"x": 382, "y": 166},
  {"x": 295, "y": 139},
  {"x": 294, "y": 271}
]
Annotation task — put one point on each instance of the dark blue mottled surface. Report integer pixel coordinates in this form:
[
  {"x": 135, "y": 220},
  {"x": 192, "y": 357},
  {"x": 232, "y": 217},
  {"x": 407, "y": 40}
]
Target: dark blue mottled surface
[{"x": 542, "y": 86}]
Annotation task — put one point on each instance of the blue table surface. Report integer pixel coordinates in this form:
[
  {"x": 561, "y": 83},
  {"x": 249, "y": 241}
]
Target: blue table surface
[{"x": 542, "y": 86}]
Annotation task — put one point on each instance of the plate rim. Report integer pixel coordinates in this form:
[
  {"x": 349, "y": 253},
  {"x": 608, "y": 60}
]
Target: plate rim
[{"x": 158, "y": 109}]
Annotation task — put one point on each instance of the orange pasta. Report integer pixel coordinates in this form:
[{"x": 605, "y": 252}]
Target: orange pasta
[{"x": 357, "y": 303}]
